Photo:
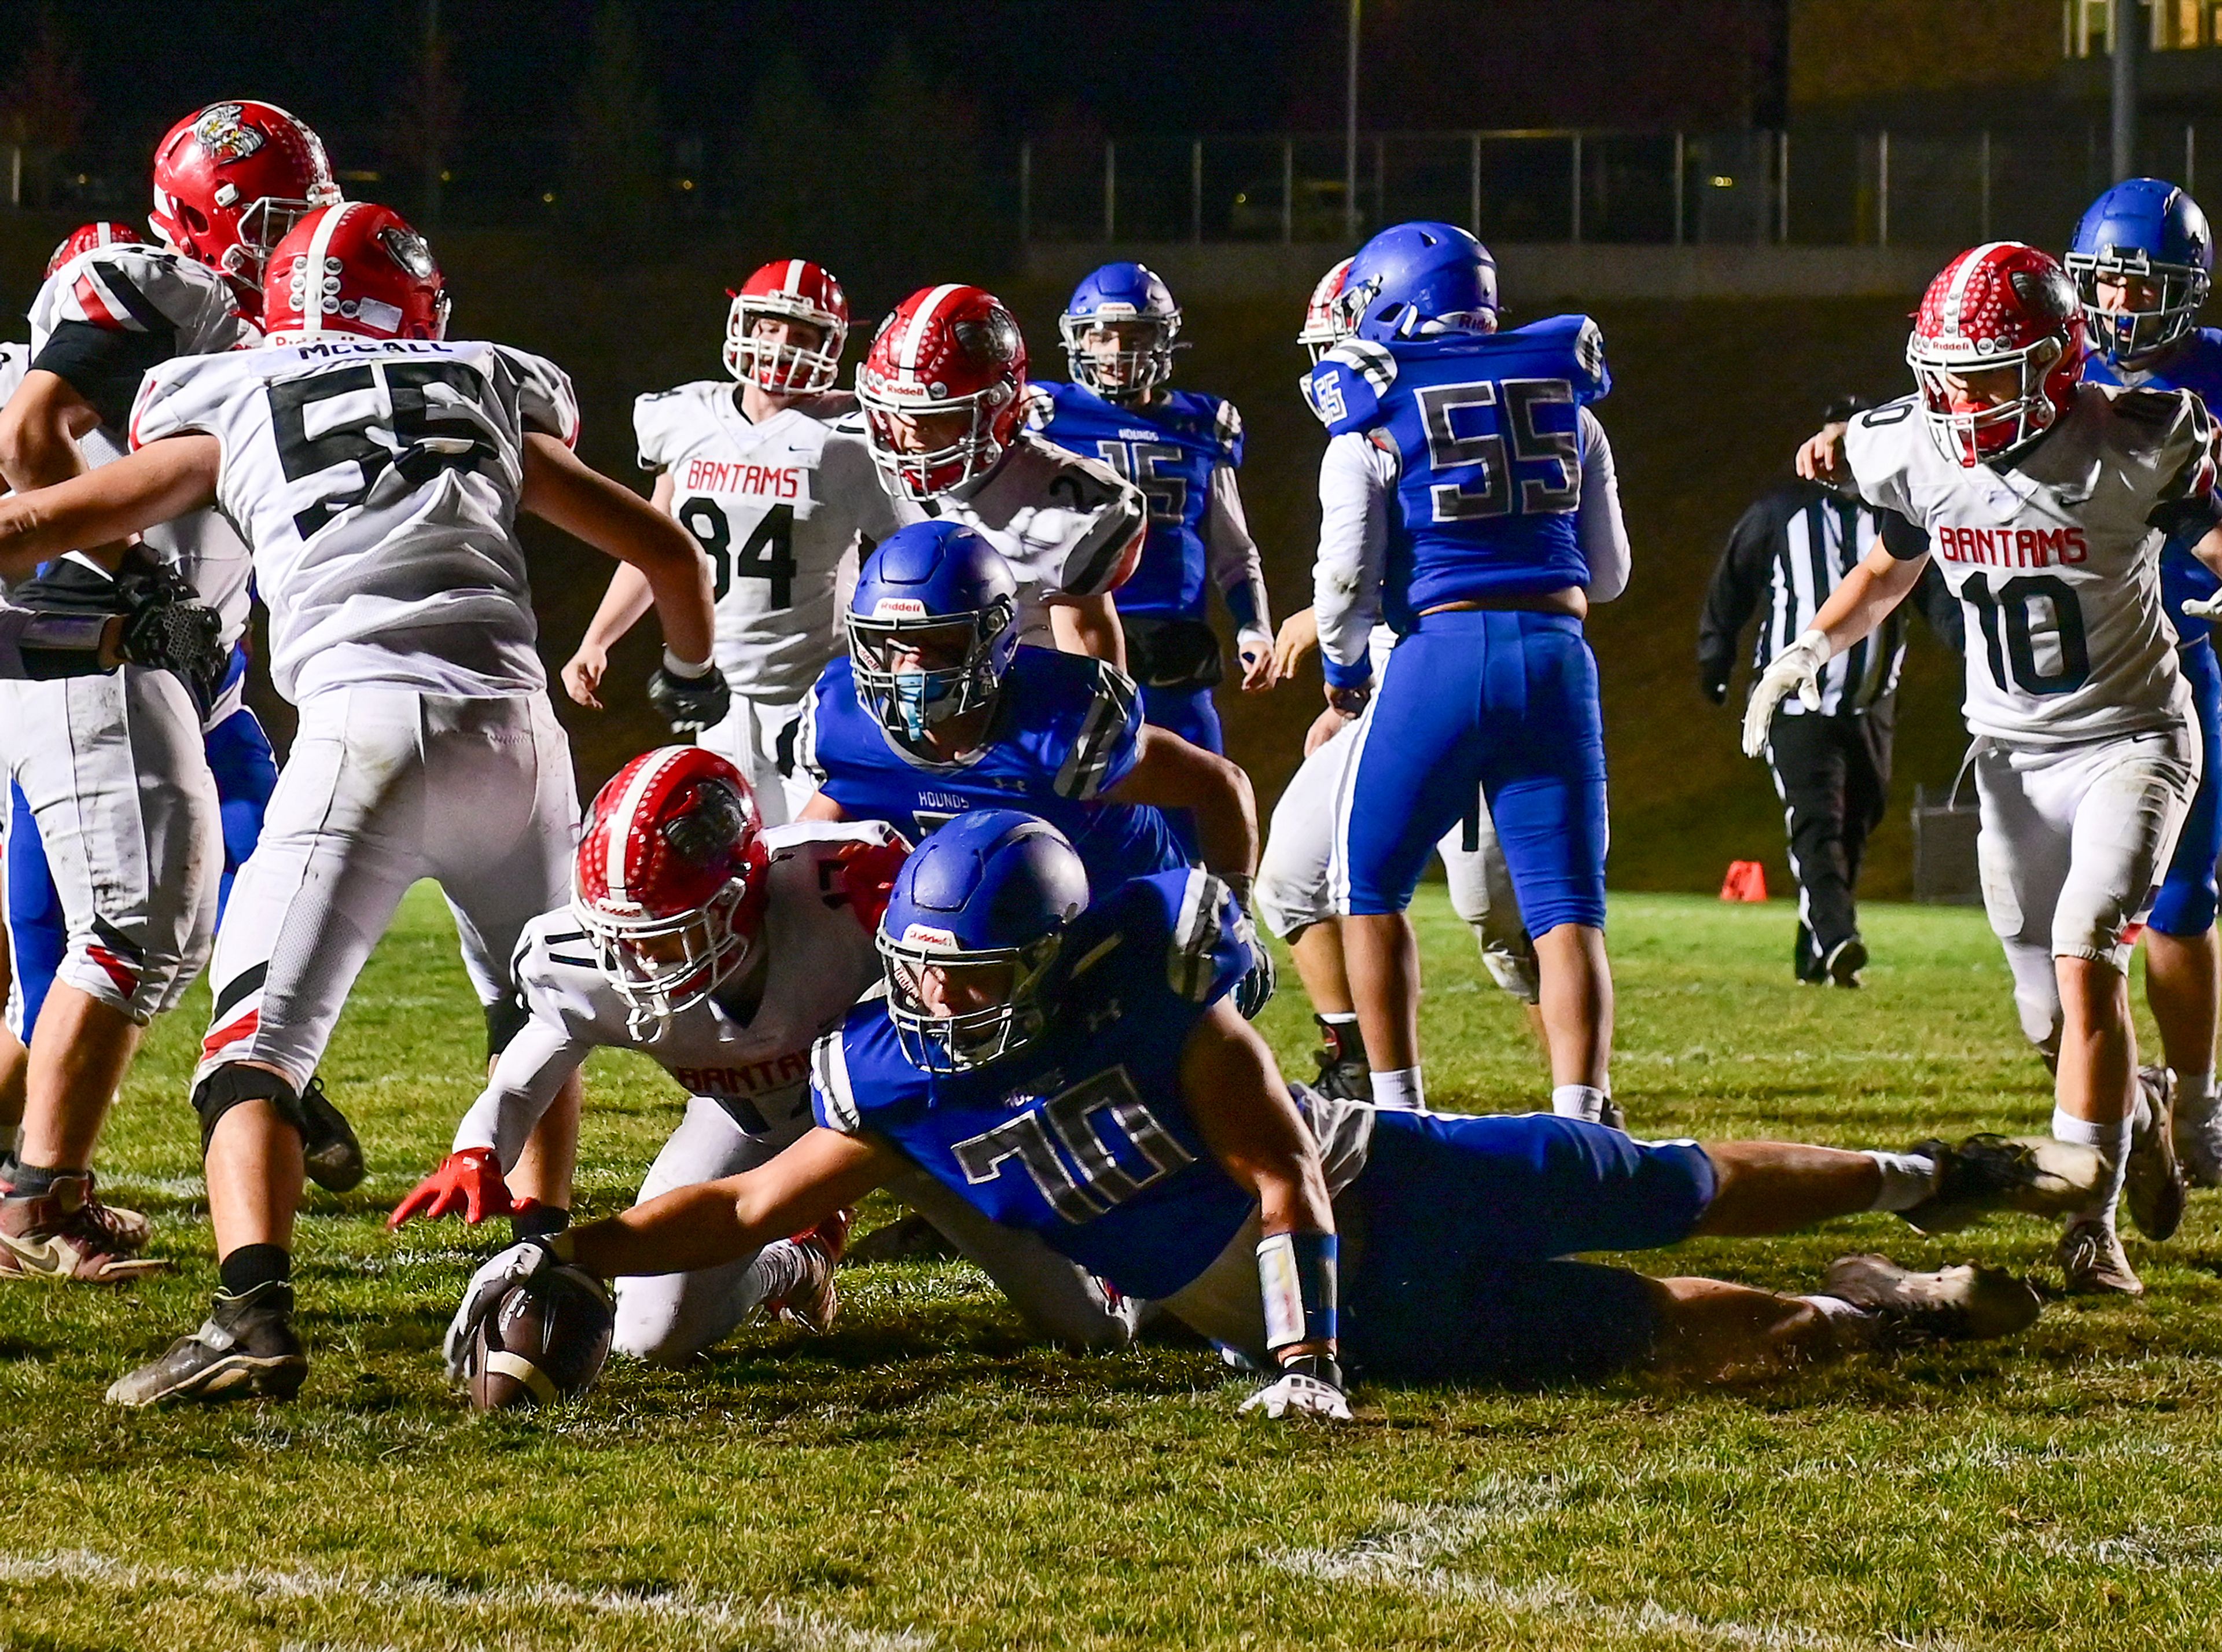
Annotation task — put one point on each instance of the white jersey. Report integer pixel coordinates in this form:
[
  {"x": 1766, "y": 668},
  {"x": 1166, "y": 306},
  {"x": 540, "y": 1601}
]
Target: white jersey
[
  {"x": 121, "y": 309},
  {"x": 774, "y": 505},
  {"x": 377, "y": 482},
  {"x": 1069, "y": 526},
  {"x": 14, "y": 362},
  {"x": 2056, "y": 556},
  {"x": 823, "y": 958}
]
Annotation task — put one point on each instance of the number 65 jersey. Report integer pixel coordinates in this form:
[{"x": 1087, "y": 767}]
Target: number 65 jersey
[
  {"x": 376, "y": 482},
  {"x": 2056, "y": 554},
  {"x": 773, "y": 505}
]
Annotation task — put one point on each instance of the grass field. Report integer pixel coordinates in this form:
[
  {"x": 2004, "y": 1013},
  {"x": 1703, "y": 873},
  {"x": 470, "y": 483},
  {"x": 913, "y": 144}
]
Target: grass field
[{"x": 923, "y": 1477}]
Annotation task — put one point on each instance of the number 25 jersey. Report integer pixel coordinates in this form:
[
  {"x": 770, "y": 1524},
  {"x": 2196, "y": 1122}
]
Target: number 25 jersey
[
  {"x": 376, "y": 482},
  {"x": 773, "y": 505},
  {"x": 2057, "y": 556}
]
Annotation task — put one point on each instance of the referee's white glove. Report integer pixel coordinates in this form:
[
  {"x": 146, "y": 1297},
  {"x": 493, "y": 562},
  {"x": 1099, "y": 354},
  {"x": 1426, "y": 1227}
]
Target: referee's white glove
[{"x": 1797, "y": 667}]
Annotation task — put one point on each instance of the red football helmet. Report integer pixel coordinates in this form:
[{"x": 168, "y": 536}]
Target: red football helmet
[
  {"x": 945, "y": 350},
  {"x": 88, "y": 236},
  {"x": 792, "y": 289},
  {"x": 669, "y": 882},
  {"x": 355, "y": 267},
  {"x": 1999, "y": 306},
  {"x": 231, "y": 180},
  {"x": 1325, "y": 325}
]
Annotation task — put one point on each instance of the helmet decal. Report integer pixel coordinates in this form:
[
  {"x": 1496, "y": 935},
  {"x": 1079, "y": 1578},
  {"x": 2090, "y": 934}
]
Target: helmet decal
[{"x": 225, "y": 135}]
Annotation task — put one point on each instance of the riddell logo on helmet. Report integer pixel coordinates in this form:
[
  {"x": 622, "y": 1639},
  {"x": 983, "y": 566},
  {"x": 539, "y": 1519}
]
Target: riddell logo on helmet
[
  {"x": 2011, "y": 547},
  {"x": 898, "y": 608},
  {"x": 224, "y": 136},
  {"x": 920, "y": 935}
]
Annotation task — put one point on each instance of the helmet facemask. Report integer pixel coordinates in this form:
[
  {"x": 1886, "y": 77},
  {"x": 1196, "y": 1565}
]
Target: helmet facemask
[
  {"x": 1007, "y": 981},
  {"x": 1119, "y": 353},
  {"x": 930, "y": 472},
  {"x": 782, "y": 368},
  {"x": 907, "y": 699},
  {"x": 2126, "y": 336},
  {"x": 1969, "y": 436}
]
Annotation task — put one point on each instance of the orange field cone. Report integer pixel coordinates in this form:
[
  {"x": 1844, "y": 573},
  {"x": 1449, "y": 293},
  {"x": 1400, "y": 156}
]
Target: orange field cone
[{"x": 1747, "y": 881}]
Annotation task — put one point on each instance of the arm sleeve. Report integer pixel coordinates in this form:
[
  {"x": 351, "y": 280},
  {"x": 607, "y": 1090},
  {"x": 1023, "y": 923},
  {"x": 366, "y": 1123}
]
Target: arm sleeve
[
  {"x": 1232, "y": 554},
  {"x": 1353, "y": 548},
  {"x": 525, "y": 1080},
  {"x": 1733, "y": 592},
  {"x": 40, "y": 646},
  {"x": 1940, "y": 607},
  {"x": 1597, "y": 522},
  {"x": 105, "y": 366}
]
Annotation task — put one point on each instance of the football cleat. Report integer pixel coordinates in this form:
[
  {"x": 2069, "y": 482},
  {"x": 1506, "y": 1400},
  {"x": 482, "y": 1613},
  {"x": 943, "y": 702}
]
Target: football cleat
[
  {"x": 2152, "y": 1180},
  {"x": 1954, "y": 1303},
  {"x": 246, "y": 1349},
  {"x": 329, "y": 1146},
  {"x": 2090, "y": 1253},
  {"x": 1988, "y": 1174},
  {"x": 1845, "y": 961},
  {"x": 1614, "y": 1117},
  {"x": 813, "y": 1302},
  {"x": 2198, "y": 1145},
  {"x": 68, "y": 1234},
  {"x": 1343, "y": 1073},
  {"x": 909, "y": 1238}
]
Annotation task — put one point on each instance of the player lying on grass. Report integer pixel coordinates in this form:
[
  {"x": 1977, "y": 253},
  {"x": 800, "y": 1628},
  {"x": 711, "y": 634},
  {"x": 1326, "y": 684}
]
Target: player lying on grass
[
  {"x": 722, "y": 952},
  {"x": 1079, "y": 1072},
  {"x": 377, "y": 473}
]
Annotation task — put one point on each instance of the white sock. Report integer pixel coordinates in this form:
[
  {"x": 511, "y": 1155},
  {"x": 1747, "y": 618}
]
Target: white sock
[
  {"x": 1579, "y": 1101},
  {"x": 1398, "y": 1089},
  {"x": 1908, "y": 1180},
  {"x": 2113, "y": 1143},
  {"x": 1854, "y": 1324},
  {"x": 1339, "y": 1017},
  {"x": 776, "y": 1270},
  {"x": 2194, "y": 1095}
]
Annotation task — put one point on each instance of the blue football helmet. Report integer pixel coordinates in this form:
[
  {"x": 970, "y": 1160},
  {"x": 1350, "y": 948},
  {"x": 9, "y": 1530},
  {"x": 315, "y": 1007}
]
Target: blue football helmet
[
  {"x": 1418, "y": 279},
  {"x": 932, "y": 626},
  {"x": 1128, "y": 364},
  {"x": 983, "y": 906},
  {"x": 2144, "y": 229}
]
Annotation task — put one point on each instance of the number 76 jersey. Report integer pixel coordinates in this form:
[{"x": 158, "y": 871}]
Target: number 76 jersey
[
  {"x": 2057, "y": 556},
  {"x": 773, "y": 505}
]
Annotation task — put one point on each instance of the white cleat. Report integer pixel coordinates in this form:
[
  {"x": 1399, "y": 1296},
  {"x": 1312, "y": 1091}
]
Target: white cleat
[
  {"x": 2091, "y": 1255},
  {"x": 1954, "y": 1303}
]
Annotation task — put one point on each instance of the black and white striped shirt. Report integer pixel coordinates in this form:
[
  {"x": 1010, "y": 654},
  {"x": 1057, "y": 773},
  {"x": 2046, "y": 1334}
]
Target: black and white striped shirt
[{"x": 1792, "y": 547}]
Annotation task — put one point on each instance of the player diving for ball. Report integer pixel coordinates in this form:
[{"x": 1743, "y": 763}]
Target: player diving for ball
[
  {"x": 1467, "y": 499},
  {"x": 1076, "y": 1069},
  {"x": 377, "y": 473},
  {"x": 722, "y": 950},
  {"x": 1295, "y": 899},
  {"x": 772, "y": 477},
  {"x": 2047, "y": 502},
  {"x": 1181, "y": 449}
]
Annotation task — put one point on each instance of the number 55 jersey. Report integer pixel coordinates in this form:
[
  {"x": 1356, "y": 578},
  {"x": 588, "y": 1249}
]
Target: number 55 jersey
[{"x": 2057, "y": 556}]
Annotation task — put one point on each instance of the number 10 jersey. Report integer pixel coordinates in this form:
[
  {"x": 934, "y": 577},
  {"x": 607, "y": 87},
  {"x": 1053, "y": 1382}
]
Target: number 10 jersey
[
  {"x": 774, "y": 506},
  {"x": 2056, "y": 556}
]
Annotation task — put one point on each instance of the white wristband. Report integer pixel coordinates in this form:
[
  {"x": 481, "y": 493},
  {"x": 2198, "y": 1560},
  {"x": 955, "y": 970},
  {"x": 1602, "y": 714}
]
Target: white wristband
[{"x": 679, "y": 667}]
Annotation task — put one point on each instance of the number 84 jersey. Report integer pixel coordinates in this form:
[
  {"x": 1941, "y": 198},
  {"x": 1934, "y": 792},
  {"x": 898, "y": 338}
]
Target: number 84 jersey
[
  {"x": 2057, "y": 556},
  {"x": 773, "y": 505}
]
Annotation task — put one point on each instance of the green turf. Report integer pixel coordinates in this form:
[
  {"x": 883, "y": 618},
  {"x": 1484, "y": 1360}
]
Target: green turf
[{"x": 925, "y": 1478}]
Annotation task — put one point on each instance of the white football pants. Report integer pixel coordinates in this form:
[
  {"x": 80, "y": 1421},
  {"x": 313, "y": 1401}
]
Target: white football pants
[
  {"x": 114, "y": 772},
  {"x": 2073, "y": 840},
  {"x": 1292, "y": 893},
  {"x": 669, "y": 1318},
  {"x": 749, "y": 739},
  {"x": 384, "y": 787}
]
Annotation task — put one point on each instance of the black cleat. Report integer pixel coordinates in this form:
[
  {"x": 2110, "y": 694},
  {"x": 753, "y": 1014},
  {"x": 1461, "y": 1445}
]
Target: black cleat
[
  {"x": 328, "y": 1145},
  {"x": 247, "y": 1348},
  {"x": 1988, "y": 1174},
  {"x": 1953, "y": 1304},
  {"x": 1343, "y": 1074},
  {"x": 1845, "y": 961}
]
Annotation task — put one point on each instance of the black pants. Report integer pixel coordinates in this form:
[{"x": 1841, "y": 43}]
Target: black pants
[{"x": 1833, "y": 775}]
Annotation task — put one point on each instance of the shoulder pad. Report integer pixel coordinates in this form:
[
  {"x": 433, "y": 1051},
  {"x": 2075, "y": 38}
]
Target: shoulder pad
[
  {"x": 1344, "y": 389},
  {"x": 1103, "y": 752},
  {"x": 545, "y": 401},
  {"x": 2157, "y": 408},
  {"x": 1208, "y": 948},
  {"x": 831, "y": 1092},
  {"x": 1039, "y": 407},
  {"x": 1582, "y": 340}
]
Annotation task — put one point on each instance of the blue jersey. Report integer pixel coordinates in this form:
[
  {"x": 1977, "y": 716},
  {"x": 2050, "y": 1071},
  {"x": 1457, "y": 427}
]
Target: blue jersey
[
  {"x": 2194, "y": 364},
  {"x": 1083, "y": 1136},
  {"x": 1169, "y": 450},
  {"x": 1487, "y": 437},
  {"x": 1065, "y": 729}
]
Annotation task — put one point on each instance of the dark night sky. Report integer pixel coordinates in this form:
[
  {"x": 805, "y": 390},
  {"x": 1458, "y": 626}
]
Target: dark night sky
[{"x": 1135, "y": 67}]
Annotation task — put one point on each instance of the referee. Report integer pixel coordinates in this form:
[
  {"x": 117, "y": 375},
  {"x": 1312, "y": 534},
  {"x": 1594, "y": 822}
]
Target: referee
[{"x": 1831, "y": 766}]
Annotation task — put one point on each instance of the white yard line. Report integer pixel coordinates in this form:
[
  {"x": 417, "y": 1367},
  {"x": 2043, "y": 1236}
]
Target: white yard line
[{"x": 680, "y": 1609}]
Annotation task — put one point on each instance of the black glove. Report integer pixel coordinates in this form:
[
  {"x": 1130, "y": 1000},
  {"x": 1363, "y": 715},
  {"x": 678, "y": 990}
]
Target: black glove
[
  {"x": 167, "y": 635},
  {"x": 1713, "y": 679},
  {"x": 1716, "y": 692},
  {"x": 689, "y": 704},
  {"x": 1255, "y": 990}
]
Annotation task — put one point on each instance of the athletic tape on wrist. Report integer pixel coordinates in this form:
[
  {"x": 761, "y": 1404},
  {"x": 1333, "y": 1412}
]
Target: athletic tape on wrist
[
  {"x": 1297, "y": 1277},
  {"x": 691, "y": 672}
]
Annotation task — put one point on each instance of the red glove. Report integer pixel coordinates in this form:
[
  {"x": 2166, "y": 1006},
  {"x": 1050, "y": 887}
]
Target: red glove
[
  {"x": 868, "y": 877},
  {"x": 469, "y": 1182}
]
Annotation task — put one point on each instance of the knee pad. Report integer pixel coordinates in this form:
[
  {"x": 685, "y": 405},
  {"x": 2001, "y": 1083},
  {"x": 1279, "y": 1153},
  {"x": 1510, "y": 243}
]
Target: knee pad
[
  {"x": 236, "y": 1081},
  {"x": 504, "y": 1018}
]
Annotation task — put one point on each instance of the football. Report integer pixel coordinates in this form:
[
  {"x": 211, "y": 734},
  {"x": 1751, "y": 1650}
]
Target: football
[{"x": 547, "y": 1341}]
